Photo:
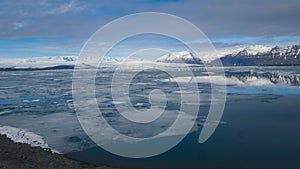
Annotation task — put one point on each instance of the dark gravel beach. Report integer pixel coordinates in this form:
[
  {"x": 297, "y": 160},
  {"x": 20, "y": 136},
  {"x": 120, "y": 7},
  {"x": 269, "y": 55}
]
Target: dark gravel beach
[{"x": 23, "y": 156}]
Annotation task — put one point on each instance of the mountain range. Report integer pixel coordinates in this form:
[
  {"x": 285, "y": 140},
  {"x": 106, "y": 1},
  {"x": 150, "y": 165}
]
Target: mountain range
[
  {"x": 276, "y": 56},
  {"x": 250, "y": 56}
]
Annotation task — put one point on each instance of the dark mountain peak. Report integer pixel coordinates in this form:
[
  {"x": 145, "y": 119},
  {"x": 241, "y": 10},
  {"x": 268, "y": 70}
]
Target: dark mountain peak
[
  {"x": 276, "y": 48},
  {"x": 295, "y": 47}
]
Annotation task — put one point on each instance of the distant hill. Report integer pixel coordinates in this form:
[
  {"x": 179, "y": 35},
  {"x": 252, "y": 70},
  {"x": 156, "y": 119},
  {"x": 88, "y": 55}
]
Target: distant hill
[{"x": 44, "y": 68}]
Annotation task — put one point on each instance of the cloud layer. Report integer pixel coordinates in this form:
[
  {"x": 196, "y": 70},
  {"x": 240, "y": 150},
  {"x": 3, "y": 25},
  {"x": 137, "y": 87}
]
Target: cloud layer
[
  {"x": 62, "y": 26},
  {"x": 30, "y": 18}
]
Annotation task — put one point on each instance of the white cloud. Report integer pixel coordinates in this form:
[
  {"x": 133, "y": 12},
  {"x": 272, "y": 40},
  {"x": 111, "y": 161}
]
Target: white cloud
[
  {"x": 19, "y": 25},
  {"x": 71, "y": 6}
]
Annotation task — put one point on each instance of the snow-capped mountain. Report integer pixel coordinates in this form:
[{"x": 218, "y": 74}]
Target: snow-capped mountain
[
  {"x": 263, "y": 56},
  {"x": 251, "y": 50},
  {"x": 209, "y": 56},
  {"x": 49, "y": 62},
  {"x": 179, "y": 57},
  {"x": 37, "y": 62}
]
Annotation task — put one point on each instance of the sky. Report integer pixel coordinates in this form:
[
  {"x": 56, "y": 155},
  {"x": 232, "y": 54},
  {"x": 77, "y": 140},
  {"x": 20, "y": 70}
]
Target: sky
[{"x": 30, "y": 28}]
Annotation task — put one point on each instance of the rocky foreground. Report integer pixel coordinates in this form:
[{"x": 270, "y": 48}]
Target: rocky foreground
[{"x": 23, "y": 156}]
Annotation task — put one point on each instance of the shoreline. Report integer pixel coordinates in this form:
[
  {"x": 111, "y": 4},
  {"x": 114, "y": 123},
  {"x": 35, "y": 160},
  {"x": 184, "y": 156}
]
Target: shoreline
[{"x": 23, "y": 156}]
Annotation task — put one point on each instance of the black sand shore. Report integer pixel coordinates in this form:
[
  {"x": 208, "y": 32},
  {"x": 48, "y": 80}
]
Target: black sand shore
[{"x": 23, "y": 156}]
